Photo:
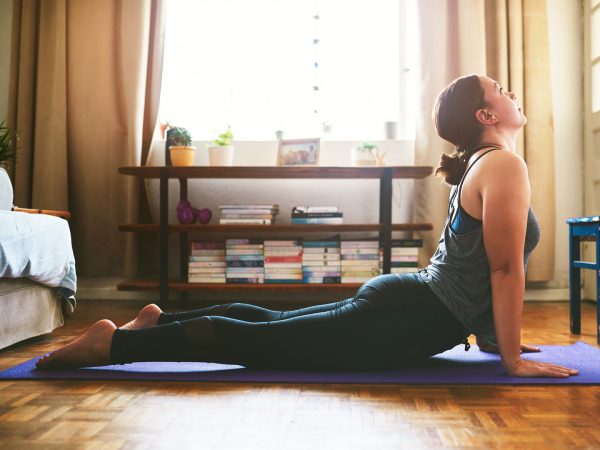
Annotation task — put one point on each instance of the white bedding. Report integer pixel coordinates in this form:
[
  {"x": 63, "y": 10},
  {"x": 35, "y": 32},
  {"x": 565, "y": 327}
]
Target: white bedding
[{"x": 38, "y": 247}]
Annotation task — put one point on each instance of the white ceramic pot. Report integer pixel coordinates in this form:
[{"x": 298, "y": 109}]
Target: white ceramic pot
[
  {"x": 182, "y": 155},
  {"x": 220, "y": 156}
]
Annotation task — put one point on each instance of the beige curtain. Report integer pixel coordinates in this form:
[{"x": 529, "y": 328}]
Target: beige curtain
[
  {"x": 84, "y": 93},
  {"x": 507, "y": 40}
]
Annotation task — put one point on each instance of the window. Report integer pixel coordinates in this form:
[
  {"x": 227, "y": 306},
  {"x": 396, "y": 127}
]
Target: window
[{"x": 328, "y": 68}]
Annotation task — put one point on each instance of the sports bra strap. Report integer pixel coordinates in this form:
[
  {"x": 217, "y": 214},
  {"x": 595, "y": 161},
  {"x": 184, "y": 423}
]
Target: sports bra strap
[
  {"x": 492, "y": 148},
  {"x": 458, "y": 189}
]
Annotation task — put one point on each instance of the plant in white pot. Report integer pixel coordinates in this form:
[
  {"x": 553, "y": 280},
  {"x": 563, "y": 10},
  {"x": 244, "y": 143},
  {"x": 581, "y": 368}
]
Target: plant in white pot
[
  {"x": 8, "y": 144},
  {"x": 220, "y": 153},
  {"x": 180, "y": 147},
  {"x": 367, "y": 154}
]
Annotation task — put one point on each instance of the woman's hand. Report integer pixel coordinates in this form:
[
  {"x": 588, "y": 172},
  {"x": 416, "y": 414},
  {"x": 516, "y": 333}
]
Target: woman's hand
[
  {"x": 488, "y": 347},
  {"x": 527, "y": 368}
]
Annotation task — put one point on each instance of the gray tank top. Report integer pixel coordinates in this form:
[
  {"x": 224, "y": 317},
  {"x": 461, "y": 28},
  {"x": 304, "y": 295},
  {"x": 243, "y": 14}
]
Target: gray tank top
[{"x": 459, "y": 272}]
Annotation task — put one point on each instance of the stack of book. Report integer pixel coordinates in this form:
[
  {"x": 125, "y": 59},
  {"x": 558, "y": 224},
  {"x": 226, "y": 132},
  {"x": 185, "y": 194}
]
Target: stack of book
[
  {"x": 283, "y": 261},
  {"x": 207, "y": 262},
  {"x": 248, "y": 214},
  {"x": 245, "y": 261},
  {"x": 316, "y": 215},
  {"x": 360, "y": 261},
  {"x": 405, "y": 255},
  {"x": 321, "y": 262}
]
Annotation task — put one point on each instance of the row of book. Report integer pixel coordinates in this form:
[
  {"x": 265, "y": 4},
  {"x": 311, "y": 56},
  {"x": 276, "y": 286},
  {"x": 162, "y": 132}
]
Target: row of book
[
  {"x": 316, "y": 215},
  {"x": 266, "y": 214},
  {"x": 296, "y": 261},
  {"x": 248, "y": 214}
]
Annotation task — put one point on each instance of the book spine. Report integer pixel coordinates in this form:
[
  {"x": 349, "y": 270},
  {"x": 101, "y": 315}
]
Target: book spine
[
  {"x": 245, "y": 221},
  {"x": 315, "y": 221},
  {"x": 321, "y": 250},
  {"x": 316, "y": 215},
  {"x": 245, "y": 263},
  {"x": 292, "y": 265},
  {"x": 246, "y": 216},
  {"x": 360, "y": 244},
  {"x": 321, "y": 244},
  {"x": 308, "y": 209},
  {"x": 207, "y": 264},
  {"x": 248, "y": 206},
  {"x": 245, "y": 280},
  {"x": 269, "y": 242},
  {"x": 282, "y": 259},
  {"x": 243, "y": 258},
  {"x": 323, "y": 280},
  {"x": 232, "y": 252},
  {"x": 207, "y": 258},
  {"x": 206, "y": 280}
]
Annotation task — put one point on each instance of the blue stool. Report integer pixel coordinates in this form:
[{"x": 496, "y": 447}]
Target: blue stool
[{"x": 582, "y": 229}]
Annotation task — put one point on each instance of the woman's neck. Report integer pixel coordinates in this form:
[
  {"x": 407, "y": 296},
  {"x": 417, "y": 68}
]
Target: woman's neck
[{"x": 506, "y": 139}]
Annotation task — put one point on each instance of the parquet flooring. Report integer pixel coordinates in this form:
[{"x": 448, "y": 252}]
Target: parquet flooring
[{"x": 139, "y": 415}]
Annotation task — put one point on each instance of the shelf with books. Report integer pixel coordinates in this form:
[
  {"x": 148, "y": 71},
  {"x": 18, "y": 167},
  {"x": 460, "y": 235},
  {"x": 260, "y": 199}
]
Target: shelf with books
[
  {"x": 181, "y": 285},
  {"x": 291, "y": 228},
  {"x": 384, "y": 228}
]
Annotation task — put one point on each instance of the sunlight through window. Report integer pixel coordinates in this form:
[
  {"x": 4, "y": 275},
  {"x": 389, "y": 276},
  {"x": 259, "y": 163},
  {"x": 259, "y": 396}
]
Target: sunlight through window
[{"x": 328, "y": 68}]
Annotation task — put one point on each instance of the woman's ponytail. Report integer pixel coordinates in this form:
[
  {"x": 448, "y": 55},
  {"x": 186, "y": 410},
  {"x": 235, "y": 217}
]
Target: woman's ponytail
[{"x": 452, "y": 167}]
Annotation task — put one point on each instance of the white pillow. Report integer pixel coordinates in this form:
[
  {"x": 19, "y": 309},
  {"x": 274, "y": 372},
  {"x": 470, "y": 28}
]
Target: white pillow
[{"x": 6, "y": 191}]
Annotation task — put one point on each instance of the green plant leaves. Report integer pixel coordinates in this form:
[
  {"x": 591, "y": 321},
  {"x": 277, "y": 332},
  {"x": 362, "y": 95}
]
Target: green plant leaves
[{"x": 8, "y": 143}]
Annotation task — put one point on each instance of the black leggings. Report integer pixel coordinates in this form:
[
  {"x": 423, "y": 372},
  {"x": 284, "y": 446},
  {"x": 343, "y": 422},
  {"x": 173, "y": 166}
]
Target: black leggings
[{"x": 392, "y": 321}]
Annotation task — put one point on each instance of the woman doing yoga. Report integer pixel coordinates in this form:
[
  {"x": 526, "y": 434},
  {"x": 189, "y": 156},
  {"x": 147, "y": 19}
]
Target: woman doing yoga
[{"x": 475, "y": 281}]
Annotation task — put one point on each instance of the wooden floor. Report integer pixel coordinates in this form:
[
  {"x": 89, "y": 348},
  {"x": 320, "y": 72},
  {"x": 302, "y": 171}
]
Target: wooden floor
[{"x": 91, "y": 414}]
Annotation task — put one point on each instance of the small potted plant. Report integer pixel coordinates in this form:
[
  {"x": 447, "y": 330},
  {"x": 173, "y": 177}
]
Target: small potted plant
[
  {"x": 8, "y": 144},
  {"x": 220, "y": 153},
  {"x": 367, "y": 154},
  {"x": 180, "y": 147}
]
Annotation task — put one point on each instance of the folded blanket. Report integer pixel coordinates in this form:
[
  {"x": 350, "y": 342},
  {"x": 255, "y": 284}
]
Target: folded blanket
[{"x": 38, "y": 247}]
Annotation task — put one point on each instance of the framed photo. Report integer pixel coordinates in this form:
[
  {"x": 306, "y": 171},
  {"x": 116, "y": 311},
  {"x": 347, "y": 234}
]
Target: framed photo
[{"x": 298, "y": 152}]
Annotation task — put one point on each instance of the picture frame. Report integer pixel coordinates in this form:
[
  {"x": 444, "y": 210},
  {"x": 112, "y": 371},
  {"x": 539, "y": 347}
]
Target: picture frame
[{"x": 298, "y": 152}]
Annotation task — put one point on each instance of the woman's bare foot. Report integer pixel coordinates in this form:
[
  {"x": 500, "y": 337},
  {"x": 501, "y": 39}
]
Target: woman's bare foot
[
  {"x": 91, "y": 349},
  {"x": 147, "y": 317}
]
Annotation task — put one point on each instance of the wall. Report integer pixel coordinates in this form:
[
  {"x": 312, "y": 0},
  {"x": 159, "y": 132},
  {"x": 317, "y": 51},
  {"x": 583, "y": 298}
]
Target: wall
[{"x": 5, "y": 39}]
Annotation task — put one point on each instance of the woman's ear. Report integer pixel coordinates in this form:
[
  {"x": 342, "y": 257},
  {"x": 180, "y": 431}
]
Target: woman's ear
[{"x": 485, "y": 117}]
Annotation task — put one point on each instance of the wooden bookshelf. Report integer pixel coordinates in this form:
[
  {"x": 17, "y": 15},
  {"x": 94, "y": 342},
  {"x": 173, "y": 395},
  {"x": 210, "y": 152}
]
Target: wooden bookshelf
[
  {"x": 163, "y": 284},
  {"x": 152, "y": 228},
  {"x": 181, "y": 285}
]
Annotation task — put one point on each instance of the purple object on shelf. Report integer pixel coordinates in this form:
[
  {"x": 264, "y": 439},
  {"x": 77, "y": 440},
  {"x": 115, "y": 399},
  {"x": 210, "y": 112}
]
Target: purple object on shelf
[
  {"x": 454, "y": 366},
  {"x": 186, "y": 214}
]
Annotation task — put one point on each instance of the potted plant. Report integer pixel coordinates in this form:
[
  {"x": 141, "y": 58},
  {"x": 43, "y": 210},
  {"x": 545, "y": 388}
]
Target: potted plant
[
  {"x": 180, "y": 147},
  {"x": 8, "y": 141},
  {"x": 220, "y": 153},
  {"x": 367, "y": 154}
]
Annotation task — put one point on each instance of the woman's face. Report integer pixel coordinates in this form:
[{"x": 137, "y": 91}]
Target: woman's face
[{"x": 501, "y": 104}]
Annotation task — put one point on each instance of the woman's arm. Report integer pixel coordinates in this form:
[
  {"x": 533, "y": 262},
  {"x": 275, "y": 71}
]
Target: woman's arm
[{"x": 505, "y": 191}]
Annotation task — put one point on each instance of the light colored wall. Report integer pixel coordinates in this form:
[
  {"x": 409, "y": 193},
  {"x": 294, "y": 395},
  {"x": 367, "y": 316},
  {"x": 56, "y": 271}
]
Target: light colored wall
[
  {"x": 566, "y": 52},
  {"x": 5, "y": 39}
]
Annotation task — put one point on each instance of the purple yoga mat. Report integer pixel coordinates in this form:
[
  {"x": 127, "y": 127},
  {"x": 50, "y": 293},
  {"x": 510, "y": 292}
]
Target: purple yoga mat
[{"x": 454, "y": 366}]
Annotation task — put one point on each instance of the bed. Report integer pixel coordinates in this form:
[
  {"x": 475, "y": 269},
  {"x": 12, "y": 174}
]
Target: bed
[{"x": 37, "y": 271}]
